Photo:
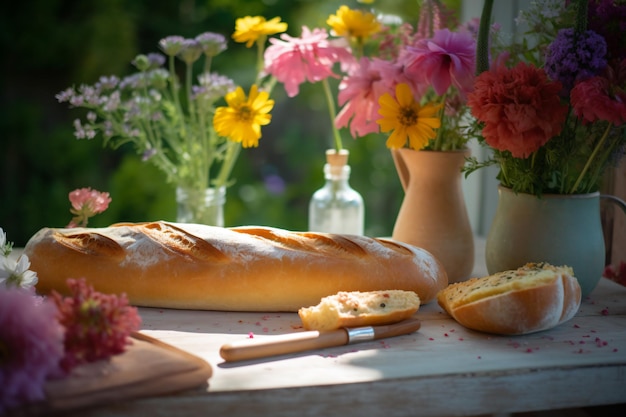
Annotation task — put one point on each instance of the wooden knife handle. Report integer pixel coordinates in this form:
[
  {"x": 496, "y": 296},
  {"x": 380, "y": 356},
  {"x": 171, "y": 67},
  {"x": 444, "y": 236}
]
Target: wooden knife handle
[{"x": 283, "y": 344}]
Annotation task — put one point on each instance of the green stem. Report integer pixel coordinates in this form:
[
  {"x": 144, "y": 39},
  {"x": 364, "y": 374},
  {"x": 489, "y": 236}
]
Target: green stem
[
  {"x": 188, "y": 76},
  {"x": 591, "y": 158},
  {"x": 482, "y": 45},
  {"x": 581, "y": 16},
  {"x": 442, "y": 111},
  {"x": 207, "y": 64},
  {"x": 332, "y": 111},
  {"x": 260, "y": 63},
  {"x": 174, "y": 90},
  {"x": 232, "y": 151}
]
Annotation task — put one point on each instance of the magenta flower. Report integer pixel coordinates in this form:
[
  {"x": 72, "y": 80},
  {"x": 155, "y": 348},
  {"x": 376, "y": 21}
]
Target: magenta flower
[
  {"x": 31, "y": 347},
  {"x": 87, "y": 203},
  {"x": 444, "y": 60},
  {"x": 311, "y": 58}
]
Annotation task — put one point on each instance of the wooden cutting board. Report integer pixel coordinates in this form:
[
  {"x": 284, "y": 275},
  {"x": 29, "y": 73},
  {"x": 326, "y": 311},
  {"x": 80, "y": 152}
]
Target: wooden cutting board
[{"x": 147, "y": 368}]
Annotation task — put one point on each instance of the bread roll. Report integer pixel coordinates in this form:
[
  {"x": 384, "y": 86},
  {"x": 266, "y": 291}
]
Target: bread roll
[
  {"x": 532, "y": 298},
  {"x": 356, "y": 308},
  {"x": 191, "y": 266}
]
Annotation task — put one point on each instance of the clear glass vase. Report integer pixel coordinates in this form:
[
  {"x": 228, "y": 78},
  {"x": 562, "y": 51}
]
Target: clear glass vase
[
  {"x": 337, "y": 207},
  {"x": 204, "y": 206}
]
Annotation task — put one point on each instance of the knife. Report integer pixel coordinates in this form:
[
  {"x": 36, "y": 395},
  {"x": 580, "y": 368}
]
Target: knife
[{"x": 310, "y": 340}]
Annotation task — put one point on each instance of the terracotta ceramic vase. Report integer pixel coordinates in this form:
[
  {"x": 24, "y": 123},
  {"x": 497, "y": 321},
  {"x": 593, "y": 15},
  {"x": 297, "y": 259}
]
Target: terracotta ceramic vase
[
  {"x": 558, "y": 229},
  {"x": 433, "y": 214}
]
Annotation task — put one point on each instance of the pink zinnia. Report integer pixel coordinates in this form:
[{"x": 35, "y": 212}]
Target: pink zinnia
[
  {"x": 446, "y": 59},
  {"x": 520, "y": 108},
  {"x": 311, "y": 58},
  {"x": 592, "y": 101},
  {"x": 32, "y": 347},
  {"x": 359, "y": 94}
]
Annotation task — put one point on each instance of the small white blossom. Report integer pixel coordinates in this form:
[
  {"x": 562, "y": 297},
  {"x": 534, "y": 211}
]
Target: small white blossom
[
  {"x": 16, "y": 273},
  {"x": 5, "y": 246}
]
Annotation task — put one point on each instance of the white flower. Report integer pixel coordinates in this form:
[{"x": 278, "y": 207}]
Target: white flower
[
  {"x": 5, "y": 246},
  {"x": 16, "y": 273}
]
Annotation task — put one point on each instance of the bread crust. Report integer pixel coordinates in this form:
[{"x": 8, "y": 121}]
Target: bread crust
[
  {"x": 190, "y": 266},
  {"x": 519, "y": 311}
]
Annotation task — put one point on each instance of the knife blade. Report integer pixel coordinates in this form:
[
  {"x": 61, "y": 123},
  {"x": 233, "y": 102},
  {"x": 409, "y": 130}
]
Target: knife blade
[{"x": 312, "y": 340}]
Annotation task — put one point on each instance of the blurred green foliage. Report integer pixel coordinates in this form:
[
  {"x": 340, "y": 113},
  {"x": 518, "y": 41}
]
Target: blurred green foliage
[{"x": 49, "y": 45}]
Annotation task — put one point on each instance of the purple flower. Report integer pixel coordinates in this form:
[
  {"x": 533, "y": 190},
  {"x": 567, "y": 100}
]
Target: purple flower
[
  {"x": 274, "y": 184},
  {"x": 571, "y": 58},
  {"x": 212, "y": 43},
  {"x": 65, "y": 95},
  {"x": 158, "y": 78},
  {"x": 156, "y": 60},
  {"x": 107, "y": 83},
  {"x": 212, "y": 87},
  {"x": 148, "y": 153},
  {"x": 32, "y": 346},
  {"x": 172, "y": 45},
  {"x": 191, "y": 51}
]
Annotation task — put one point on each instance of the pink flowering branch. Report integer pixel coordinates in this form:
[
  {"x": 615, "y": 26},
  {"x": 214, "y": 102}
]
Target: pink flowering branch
[{"x": 87, "y": 203}]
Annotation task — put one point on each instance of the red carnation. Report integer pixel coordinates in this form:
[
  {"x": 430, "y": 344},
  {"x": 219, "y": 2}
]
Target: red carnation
[
  {"x": 592, "y": 101},
  {"x": 520, "y": 108},
  {"x": 97, "y": 325}
]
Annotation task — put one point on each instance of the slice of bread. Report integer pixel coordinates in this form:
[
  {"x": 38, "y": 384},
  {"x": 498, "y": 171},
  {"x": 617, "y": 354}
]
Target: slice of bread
[
  {"x": 355, "y": 308},
  {"x": 535, "y": 297}
]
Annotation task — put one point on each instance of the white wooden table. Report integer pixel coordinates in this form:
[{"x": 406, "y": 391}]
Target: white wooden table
[{"x": 442, "y": 370}]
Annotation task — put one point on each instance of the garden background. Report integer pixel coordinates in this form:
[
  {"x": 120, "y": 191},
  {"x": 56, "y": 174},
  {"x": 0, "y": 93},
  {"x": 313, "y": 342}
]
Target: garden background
[{"x": 49, "y": 45}]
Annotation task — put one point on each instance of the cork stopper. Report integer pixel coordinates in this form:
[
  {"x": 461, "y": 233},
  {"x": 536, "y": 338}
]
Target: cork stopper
[{"x": 337, "y": 160}]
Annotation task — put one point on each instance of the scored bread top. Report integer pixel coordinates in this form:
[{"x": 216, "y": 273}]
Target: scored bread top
[{"x": 529, "y": 276}]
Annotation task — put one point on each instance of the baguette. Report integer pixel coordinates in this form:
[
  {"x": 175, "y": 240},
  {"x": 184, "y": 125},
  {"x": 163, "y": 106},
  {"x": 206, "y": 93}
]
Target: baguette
[
  {"x": 191, "y": 266},
  {"x": 356, "y": 308},
  {"x": 535, "y": 297}
]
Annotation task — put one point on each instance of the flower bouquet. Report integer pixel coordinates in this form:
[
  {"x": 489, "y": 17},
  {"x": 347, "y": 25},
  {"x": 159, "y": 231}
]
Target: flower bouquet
[
  {"x": 178, "y": 125},
  {"x": 408, "y": 82},
  {"x": 552, "y": 110},
  {"x": 554, "y": 113}
]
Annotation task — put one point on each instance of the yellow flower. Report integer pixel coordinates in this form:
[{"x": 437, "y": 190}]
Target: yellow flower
[
  {"x": 353, "y": 23},
  {"x": 408, "y": 119},
  {"x": 249, "y": 29},
  {"x": 242, "y": 119}
]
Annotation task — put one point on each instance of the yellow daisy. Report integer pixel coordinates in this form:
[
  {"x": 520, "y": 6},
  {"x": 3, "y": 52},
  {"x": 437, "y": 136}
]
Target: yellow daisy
[
  {"x": 353, "y": 23},
  {"x": 408, "y": 119},
  {"x": 242, "y": 119},
  {"x": 249, "y": 29}
]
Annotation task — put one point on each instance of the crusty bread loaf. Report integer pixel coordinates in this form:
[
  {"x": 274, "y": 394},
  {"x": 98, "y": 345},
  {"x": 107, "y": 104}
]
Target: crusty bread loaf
[
  {"x": 192, "y": 266},
  {"x": 535, "y": 297},
  {"x": 357, "y": 308}
]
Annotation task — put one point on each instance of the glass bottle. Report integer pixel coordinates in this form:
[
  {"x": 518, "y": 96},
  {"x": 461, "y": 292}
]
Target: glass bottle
[{"x": 337, "y": 207}]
